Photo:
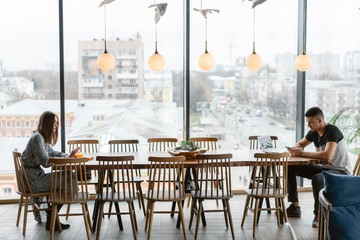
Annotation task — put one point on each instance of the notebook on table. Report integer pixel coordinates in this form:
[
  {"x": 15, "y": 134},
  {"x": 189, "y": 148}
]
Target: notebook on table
[{"x": 266, "y": 145}]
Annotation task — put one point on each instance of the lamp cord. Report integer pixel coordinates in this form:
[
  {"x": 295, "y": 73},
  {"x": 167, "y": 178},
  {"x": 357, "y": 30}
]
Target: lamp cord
[
  {"x": 254, "y": 31},
  {"x": 105, "y": 26},
  {"x": 155, "y": 34}
]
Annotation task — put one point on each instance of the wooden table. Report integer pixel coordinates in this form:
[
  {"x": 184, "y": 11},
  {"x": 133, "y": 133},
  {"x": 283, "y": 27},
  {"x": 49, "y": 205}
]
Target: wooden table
[{"x": 240, "y": 158}]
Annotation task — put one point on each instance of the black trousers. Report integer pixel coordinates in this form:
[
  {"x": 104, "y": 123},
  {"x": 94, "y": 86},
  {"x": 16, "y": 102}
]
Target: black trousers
[{"x": 313, "y": 172}]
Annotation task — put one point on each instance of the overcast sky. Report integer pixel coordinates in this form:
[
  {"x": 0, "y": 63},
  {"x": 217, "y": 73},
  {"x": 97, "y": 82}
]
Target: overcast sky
[{"x": 29, "y": 29}]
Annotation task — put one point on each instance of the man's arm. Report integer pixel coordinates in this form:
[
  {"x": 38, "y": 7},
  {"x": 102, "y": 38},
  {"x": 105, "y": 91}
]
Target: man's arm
[
  {"x": 328, "y": 154},
  {"x": 302, "y": 143}
]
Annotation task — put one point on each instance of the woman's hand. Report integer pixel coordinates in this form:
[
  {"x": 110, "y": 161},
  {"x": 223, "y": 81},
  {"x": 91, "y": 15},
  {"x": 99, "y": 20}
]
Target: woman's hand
[{"x": 73, "y": 153}]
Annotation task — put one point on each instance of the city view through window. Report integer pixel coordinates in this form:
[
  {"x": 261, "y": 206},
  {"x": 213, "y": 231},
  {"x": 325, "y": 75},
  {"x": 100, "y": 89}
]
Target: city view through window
[{"x": 229, "y": 102}]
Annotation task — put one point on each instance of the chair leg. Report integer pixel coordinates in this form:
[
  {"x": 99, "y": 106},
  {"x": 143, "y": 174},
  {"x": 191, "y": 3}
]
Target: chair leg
[
  {"x": 110, "y": 206},
  {"x": 267, "y": 200},
  {"x": 148, "y": 209},
  {"x": 68, "y": 211},
  {"x": 25, "y": 214},
  {"x": 182, "y": 218},
  {"x": 245, "y": 210},
  {"x": 150, "y": 219},
  {"x": 198, "y": 218},
  {"x": 255, "y": 216},
  {"x": 19, "y": 210},
  {"x": 142, "y": 199},
  {"x": 284, "y": 210},
  {"x": 86, "y": 220},
  {"x": 225, "y": 213},
  {"x": 133, "y": 207},
  {"x": 189, "y": 199},
  {"x": 277, "y": 211},
  {"x": 54, "y": 214},
  {"x": 100, "y": 217},
  {"x": 132, "y": 213},
  {"x": 321, "y": 223},
  {"x": 88, "y": 216},
  {"x": 230, "y": 218},
  {"x": 192, "y": 213}
]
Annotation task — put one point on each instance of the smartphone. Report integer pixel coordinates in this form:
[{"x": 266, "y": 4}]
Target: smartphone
[{"x": 287, "y": 147}]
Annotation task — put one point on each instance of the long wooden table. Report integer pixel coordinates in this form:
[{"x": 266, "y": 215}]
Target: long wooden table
[{"x": 240, "y": 158}]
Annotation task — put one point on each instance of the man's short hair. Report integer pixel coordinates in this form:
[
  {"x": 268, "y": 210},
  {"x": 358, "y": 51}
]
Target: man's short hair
[{"x": 314, "y": 112}]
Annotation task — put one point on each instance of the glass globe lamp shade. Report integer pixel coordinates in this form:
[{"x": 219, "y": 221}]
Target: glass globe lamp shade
[
  {"x": 106, "y": 61},
  {"x": 156, "y": 62},
  {"x": 206, "y": 61},
  {"x": 254, "y": 62},
  {"x": 303, "y": 62}
]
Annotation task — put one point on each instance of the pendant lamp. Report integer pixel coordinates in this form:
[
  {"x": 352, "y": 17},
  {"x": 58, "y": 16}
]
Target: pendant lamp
[
  {"x": 206, "y": 61},
  {"x": 106, "y": 61},
  {"x": 156, "y": 61},
  {"x": 303, "y": 62},
  {"x": 254, "y": 61}
]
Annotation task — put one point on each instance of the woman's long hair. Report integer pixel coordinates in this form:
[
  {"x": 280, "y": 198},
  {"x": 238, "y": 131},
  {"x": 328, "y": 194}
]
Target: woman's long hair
[{"x": 46, "y": 127}]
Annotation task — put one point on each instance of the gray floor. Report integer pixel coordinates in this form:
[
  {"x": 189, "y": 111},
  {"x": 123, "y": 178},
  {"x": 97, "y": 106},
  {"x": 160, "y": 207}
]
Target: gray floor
[{"x": 164, "y": 225}]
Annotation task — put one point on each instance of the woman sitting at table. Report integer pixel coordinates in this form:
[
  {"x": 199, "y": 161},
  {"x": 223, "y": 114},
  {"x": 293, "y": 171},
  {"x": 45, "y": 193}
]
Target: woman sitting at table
[{"x": 37, "y": 153}]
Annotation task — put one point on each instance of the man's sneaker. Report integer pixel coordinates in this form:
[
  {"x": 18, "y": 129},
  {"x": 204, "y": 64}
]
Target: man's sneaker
[
  {"x": 315, "y": 222},
  {"x": 293, "y": 211}
]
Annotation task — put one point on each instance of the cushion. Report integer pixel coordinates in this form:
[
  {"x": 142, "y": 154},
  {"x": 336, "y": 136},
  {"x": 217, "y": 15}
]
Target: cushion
[
  {"x": 344, "y": 223},
  {"x": 342, "y": 190}
]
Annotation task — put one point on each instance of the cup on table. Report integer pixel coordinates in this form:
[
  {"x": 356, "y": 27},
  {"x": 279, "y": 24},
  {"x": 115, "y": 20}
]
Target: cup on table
[{"x": 79, "y": 155}]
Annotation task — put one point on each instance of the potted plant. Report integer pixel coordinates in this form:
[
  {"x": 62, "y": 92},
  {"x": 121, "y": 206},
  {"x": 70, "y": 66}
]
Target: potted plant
[
  {"x": 187, "y": 148},
  {"x": 348, "y": 120}
]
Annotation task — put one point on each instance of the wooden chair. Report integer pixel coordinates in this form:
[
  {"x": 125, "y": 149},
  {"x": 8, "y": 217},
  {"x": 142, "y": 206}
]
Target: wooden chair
[
  {"x": 166, "y": 184},
  {"x": 274, "y": 185},
  {"x": 254, "y": 143},
  {"x": 356, "y": 170},
  {"x": 87, "y": 146},
  {"x": 210, "y": 143},
  {"x": 161, "y": 144},
  {"x": 213, "y": 171},
  {"x": 122, "y": 190},
  {"x": 324, "y": 204},
  {"x": 64, "y": 189},
  {"x": 130, "y": 146},
  {"x": 25, "y": 192}
]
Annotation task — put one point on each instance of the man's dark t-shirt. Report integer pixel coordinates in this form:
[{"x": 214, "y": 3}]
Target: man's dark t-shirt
[{"x": 341, "y": 158}]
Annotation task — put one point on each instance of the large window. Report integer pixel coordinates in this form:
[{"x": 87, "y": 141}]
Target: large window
[
  {"x": 29, "y": 77},
  {"x": 129, "y": 101},
  {"x": 333, "y": 81},
  {"x": 231, "y": 102}
]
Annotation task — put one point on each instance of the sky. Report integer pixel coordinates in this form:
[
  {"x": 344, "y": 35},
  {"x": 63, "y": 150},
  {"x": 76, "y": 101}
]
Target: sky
[{"x": 29, "y": 29}]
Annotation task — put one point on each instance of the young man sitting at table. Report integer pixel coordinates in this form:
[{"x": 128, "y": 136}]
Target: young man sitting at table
[{"x": 330, "y": 145}]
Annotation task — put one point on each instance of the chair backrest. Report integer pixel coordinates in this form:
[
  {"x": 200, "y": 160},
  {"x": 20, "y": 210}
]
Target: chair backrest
[
  {"x": 254, "y": 143},
  {"x": 272, "y": 168},
  {"x": 161, "y": 144},
  {"x": 120, "y": 168},
  {"x": 65, "y": 179},
  {"x": 21, "y": 177},
  {"x": 356, "y": 170},
  {"x": 213, "y": 178},
  {"x": 166, "y": 178},
  {"x": 87, "y": 145},
  {"x": 124, "y": 145},
  {"x": 210, "y": 143}
]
